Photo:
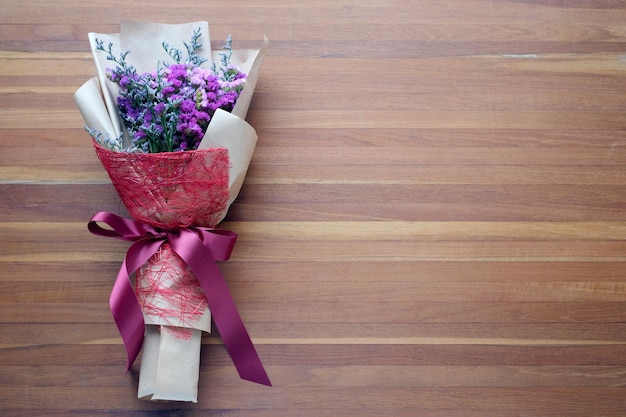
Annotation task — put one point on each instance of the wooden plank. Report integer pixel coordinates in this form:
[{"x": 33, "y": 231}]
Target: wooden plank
[
  {"x": 352, "y": 311},
  {"x": 534, "y": 400}
]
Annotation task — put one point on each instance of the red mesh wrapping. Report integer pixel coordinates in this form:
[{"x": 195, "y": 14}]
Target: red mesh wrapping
[
  {"x": 170, "y": 190},
  {"x": 169, "y": 292}
]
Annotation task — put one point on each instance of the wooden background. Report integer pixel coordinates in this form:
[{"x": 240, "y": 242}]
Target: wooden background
[{"x": 433, "y": 223}]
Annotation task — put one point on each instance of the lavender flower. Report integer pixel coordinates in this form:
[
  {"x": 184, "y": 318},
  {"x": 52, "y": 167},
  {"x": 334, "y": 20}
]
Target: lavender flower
[{"x": 169, "y": 109}]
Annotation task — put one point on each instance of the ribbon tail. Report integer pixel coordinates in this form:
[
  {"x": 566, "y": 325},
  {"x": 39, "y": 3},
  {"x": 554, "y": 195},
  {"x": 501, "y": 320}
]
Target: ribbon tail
[
  {"x": 232, "y": 330},
  {"x": 127, "y": 315},
  {"x": 123, "y": 301}
]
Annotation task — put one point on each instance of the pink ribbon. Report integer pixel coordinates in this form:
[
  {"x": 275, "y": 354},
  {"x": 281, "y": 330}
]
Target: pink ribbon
[{"x": 199, "y": 247}]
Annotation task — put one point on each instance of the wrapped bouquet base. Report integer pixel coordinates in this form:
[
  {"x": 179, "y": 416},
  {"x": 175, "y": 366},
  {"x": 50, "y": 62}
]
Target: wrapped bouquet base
[
  {"x": 176, "y": 200},
  {"x": 158, "y": 379},
  {"x": 176, "y": 313},
  {"x": 199, "y": 248}
]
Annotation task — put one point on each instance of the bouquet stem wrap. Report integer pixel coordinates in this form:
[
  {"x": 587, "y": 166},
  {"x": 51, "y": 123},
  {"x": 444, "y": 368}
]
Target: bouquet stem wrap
[{"x": 199, "y": 247}]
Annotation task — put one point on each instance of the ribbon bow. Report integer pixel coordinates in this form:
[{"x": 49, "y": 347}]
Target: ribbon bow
[{"x": 199, "y": 247}]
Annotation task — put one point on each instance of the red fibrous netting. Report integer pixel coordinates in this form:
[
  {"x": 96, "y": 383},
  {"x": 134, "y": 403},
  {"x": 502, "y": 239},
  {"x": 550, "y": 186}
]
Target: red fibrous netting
[
  {"x": 169, "y": 292},
  {"x": 170, "y": 191}
]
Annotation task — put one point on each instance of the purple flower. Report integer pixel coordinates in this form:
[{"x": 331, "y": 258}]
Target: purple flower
[
  {"x": 188, "y": 106},
  {"x": 159, "y": 107},
  {"x": 202, "y": 116},
  {"x": 124, "y": 81},
  {"x": 167, "y": 90},
  {"x": 170, "y": 108}
]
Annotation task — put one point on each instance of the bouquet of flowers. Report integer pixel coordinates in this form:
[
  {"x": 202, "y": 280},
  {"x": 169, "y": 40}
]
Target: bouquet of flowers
[{"x": 169, "y": 128}]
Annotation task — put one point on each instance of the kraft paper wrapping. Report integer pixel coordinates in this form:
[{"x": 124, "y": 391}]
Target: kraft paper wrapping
[{"x": 170, "y": 363}]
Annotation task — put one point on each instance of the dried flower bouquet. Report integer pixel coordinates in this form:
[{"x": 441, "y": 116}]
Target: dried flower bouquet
[{"x": 170, "y": 130}]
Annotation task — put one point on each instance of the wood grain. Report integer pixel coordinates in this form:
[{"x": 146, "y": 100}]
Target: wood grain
[{"x": 433, "y": 224}]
